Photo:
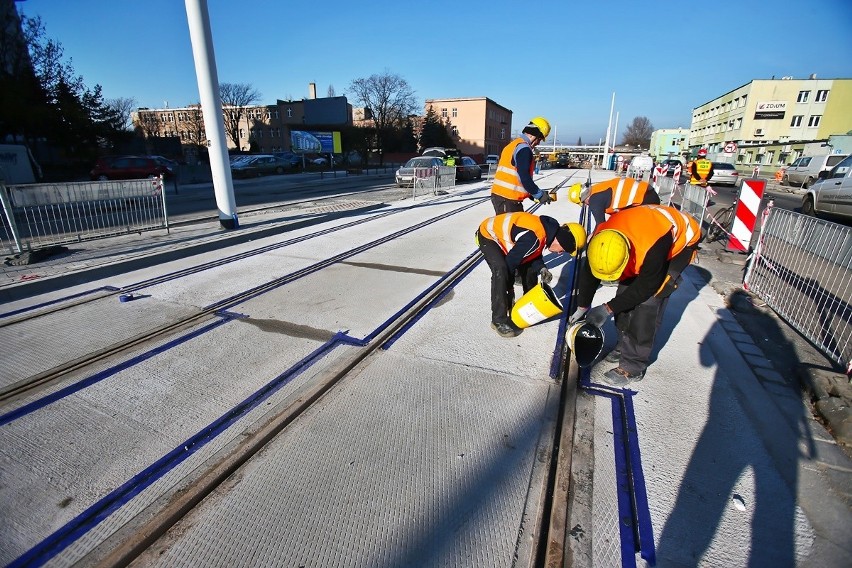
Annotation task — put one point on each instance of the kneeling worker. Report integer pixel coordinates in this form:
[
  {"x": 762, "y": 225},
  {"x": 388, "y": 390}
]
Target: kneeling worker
[
  {"x": 645, "y": 248},
  {"x": 606, "y": 197},
  {"x": 515, "y": 241}
]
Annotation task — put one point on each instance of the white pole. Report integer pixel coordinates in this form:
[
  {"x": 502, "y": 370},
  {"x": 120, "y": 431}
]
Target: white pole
[
  {"x": 605, "y": 164},
  {"x": 201, "y": 37},
  {"x": 615, "y": 130}
]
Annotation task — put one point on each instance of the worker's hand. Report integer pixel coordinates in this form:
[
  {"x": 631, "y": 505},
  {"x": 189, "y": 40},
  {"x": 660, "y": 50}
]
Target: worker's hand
[
  {"x": 598, "y": 315},
  {"x": 546, "y": 276},
  {"x": 577, "y": 315},
  {"x": 543, "y": 197}
]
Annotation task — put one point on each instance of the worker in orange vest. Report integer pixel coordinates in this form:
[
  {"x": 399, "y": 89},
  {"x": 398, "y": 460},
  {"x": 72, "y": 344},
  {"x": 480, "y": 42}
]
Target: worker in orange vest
[
  {"x": 645, "y": 248},
  {"x": 515, "y": 242},
  {"x": 513, "y": 182},
  {"x": 606, "y": 197}
]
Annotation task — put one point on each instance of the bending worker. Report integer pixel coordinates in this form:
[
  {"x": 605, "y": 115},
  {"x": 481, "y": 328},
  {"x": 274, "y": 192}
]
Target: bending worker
[
  {"x": 701, "y": 170},
  {"x": 645, "y": 248},
  {"x": 516, "y": 241},
  {"x": 513, "y": 180},
  {"x": 606, "y": 197}
]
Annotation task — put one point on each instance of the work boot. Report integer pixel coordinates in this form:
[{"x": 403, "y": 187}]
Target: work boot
[
  {"x": 613, "y": 356},
  {"x": 506, "y": 329},
  {"x": 618, "y": 377}
]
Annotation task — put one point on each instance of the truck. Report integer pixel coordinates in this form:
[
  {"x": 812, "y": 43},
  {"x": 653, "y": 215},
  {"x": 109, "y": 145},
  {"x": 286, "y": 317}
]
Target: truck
[{"x": 17, "y": 165}]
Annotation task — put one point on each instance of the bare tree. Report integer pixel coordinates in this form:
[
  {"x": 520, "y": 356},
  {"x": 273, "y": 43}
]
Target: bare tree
[
  {"x": 235, "y": 98},
  {"x": 147, "y": 123},
  {"x": 122, "y": 107},
  {"x": 330, "y": 91},
  {"x": 639, "y": 132},
  {"x": 195, "y": 126},
  {"x": 390, "y": 99}
]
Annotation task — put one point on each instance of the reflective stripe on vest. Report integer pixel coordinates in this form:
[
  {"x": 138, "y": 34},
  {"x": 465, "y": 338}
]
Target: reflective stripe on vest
[
  {"x": 702, "y": 168},
  {"x": 506, "y": 181},
  {"x": 499, "y": 229}
]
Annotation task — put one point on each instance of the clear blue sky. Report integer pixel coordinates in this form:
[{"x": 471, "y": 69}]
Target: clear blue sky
[{"x": 559, "y": 59}]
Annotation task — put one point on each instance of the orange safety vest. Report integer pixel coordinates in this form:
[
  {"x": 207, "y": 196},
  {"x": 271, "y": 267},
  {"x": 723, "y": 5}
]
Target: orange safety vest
[
  {"x": 643, "y": 226},
  {"x": 506, "y": 181},
  {"x": 702, "y": 168},
  {"x": 625, "y": 192},
  {"x": 499, "y": 230}
]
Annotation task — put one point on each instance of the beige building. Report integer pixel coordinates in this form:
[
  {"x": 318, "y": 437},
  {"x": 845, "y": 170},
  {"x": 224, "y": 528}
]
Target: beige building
[
  {"x": 768, "y": 123},
  {"x": 479, "y": 125}
]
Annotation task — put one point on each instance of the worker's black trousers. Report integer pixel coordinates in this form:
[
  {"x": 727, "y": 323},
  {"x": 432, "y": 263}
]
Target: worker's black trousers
[
  {"x": 502, "y": 281},
  {"x": 503, "y": 205},
  {"x": 637, "y": 329}
]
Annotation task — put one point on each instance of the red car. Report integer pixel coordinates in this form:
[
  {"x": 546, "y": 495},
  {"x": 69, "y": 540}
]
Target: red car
[{"x": 131, "y": 167}]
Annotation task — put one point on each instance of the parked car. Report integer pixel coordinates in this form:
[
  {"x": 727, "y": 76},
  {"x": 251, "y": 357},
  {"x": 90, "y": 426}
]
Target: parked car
[
  {"x": 405, "y": 174},
  {"x": 295, "y": 160},
  {"x": 806, "y": 169},
  {"x": 671, "y": 164},
  {"x": 130, "y": 167},
  {"x": 468, "y": 169},
  {"x": 831, "y": 194},
  {"x": 725, "y": 174},
  {"x": 258, "y": 165},
  {"x": 492, "y": 159},
  {"x": 640, "y": 165}
]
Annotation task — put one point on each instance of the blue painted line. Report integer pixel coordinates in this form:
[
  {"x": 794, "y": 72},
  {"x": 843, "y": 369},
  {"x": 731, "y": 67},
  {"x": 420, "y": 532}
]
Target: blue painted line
[
  {"x": 634, "y": 515},
  {"x": 105, "y": 374},
  {"x": 60, "y": 300},
  {"x": 91, "y": 517},
  {"x": 393, "y": 339}
]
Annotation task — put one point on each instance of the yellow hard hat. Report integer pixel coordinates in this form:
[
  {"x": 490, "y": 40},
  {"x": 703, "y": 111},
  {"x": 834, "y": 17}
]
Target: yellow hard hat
[
  {"x": 609, "y": 251},
  {"x": 575, "y": 193},
  {"x": 579, "y": 234},
  {"x": 541, "y": 123}
]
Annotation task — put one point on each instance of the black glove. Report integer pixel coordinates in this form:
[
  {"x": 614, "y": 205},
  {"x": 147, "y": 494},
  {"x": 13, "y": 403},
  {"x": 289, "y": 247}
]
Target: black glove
[
  {"x": 546, "y": 276},
  {"x": 598, "y": 315},
  {"x": 543, "y": 197}
]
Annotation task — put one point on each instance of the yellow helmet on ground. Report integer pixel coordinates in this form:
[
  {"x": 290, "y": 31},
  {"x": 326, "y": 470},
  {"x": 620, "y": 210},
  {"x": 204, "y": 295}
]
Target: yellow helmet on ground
[
  {"x": 608, "y": 253},
  {"x": 579, "y": 234},
  {"x": 575, "y": 193},
  {"x": 541, "y": 123}
]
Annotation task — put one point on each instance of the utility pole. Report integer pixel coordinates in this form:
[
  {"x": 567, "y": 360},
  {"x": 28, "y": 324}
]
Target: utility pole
[
  {"x": 605, "y": 164},
  {"x": 201, "y": 38}
]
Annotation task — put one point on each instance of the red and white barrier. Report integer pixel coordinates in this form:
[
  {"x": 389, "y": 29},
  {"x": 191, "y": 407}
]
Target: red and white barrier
[{"x": 748, "y": 203}]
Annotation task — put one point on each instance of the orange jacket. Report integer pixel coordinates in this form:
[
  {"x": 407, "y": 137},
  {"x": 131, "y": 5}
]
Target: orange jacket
[
  {"x": 499, "y": 230},
  {"x": 506, "y": 181},
  {"x": 624, "y": 193},
  {"x": 643, "y": 226}
]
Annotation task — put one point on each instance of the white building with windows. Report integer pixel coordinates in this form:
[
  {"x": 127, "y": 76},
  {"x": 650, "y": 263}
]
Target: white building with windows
[{"x": 769, "y": 122}]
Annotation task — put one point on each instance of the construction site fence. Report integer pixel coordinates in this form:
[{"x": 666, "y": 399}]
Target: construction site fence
[
  {"x": 432, "y": 181},
  {"x": 687, "y": 197},
  {"x": 802, "y": 268},
  {"x": 46, "y": 214}
]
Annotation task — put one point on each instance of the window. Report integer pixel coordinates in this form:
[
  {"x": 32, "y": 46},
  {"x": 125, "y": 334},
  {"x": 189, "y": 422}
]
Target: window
[
  {"x": 502, "y": 133},
  {"x": 455, "y": 112},
  {"x": 443, "y": 113},
  {"x": 242, "y": 133},
  {"x": 813, "y": 120},
  {"x": 803, "y": 96},
  {"x": 797, "y": 120},
  {"x": 455, "y": 130},
  {"x": 821, "y": 95},
  {"x": 289, "y": 112}
]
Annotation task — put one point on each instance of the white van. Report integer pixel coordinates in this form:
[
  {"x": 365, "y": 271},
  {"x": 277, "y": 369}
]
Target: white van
[
  {"x": 832, "y": 194},
  {"x": 640, "y": 167},
  {"x": 17, "y": 164},
  {"x": 805, "y": 170}
]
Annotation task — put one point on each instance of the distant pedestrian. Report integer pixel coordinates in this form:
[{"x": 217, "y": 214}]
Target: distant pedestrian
[
  {"x": 515, "y": 242},
  {"x": 513, "y": 182},
  {"x": 701, "y": 170}
]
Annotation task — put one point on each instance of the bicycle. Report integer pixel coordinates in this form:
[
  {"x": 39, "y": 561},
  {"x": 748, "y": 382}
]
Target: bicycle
[{"x": 721, "y": 222}]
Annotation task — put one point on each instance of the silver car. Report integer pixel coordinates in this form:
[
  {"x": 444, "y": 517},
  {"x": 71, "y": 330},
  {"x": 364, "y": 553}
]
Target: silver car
[
  {"x": 405, "y": 174},
  {"x": 725, "y": 174}
]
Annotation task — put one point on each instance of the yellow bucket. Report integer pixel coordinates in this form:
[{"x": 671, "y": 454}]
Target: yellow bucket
[
  {"x": 537, "y": 305},
  {"x": 586, "y": 342}
]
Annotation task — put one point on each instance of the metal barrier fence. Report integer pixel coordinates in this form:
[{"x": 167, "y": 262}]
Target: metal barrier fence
[
  {"x": 686, "y": 197},
  {"x": 802, "y": 268},
  {"x": 43, "y": 214},
  {"x": 433, "y": 180}
]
